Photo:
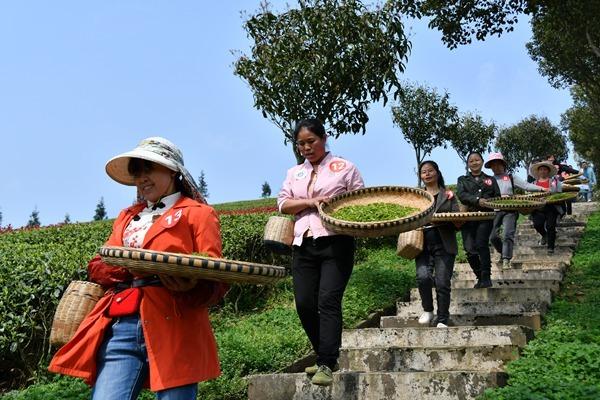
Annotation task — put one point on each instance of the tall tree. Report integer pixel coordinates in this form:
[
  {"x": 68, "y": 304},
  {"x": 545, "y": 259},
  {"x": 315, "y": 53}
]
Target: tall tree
[
  {"x": 100, "y": 211},
  {"x": 266, "y": 190},
  {"x": 67, "y": 219},
  {"x": 0, "y": 218},
  {"x": 202, "y": 186},
  {"x": 426, "y": 119},
  {"x": 328, "y": 59},
  {"x": 34, "y": 219},
  {"x": 582, "y": 121},
  {"x": 531, "y": 139},
  {"x": 566, "y": 44},
  {"x": 566, "y": 33},
  {"x": 472, "y": 134}
]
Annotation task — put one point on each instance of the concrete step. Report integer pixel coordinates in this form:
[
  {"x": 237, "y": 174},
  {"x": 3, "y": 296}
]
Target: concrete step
[
  {"x": 495, "y": 294},
  {"x": 530, "y": 240},
  {"x": 434, "y": 337},
  {"x": 479, "y": 358},
  {"x": 447, "y": 385},
  {"x": 528, "y": 229},
  {"x": 530, "y": 320},
  {"x": 414, "y": 309},
  {"x": 520, "y": 248},
  {"x": 515, "y": 273},
  {"x": 564, "y": 223},
  {"x": 525, "y": 265},
  {"x": 553, "y": 286}
]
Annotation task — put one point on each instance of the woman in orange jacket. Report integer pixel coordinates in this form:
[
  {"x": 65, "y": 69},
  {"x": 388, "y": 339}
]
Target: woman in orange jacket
[{"x": 159, "y": 336}]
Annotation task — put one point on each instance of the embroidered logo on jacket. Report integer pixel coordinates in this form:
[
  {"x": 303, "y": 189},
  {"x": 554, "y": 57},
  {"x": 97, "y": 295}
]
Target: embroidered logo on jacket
[{"x": 487, "y": 181}]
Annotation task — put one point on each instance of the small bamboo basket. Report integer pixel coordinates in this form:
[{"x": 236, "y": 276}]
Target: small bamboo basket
[
  {"x": 279, "y": 234},
  {"x": 77, "y": 302},
  {"x": 410, "y": 244}
]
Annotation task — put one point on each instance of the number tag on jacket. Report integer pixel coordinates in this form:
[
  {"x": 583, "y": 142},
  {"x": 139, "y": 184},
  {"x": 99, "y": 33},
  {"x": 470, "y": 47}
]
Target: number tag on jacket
[
  {"x": 337, "y": 166},
  {"x": 171, "y": 219}
]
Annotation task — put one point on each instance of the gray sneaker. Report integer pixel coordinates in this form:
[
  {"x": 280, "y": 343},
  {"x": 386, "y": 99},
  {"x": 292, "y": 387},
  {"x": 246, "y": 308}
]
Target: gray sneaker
[{"x": 505, "y": 263}]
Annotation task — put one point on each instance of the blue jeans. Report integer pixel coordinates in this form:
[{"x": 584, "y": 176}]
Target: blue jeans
[{"x": 123, "y": 365}]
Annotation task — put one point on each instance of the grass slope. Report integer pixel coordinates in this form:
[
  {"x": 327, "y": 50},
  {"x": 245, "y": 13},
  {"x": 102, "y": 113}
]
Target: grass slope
[{"x": 563, "y": 361}]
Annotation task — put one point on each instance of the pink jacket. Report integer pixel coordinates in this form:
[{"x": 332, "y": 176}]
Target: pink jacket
[{"x": 335, "y": 175}]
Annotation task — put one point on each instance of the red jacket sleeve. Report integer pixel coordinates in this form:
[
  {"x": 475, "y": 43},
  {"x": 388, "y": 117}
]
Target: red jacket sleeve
[
  {"x": 207, "y": 236},
  {"x": 104, "y": 274}
]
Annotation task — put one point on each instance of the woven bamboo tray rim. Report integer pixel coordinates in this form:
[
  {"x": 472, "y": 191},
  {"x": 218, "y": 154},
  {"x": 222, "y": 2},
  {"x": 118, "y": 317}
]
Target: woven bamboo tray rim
[
  {"x": 571, "y": 196},
  {"x": 536, "y": 195},
  {"x": 574, "y": 176},
  {"x": 574, "y": 181},
  {"x": 78, "y": 299},
  {"x": 191, "y": 266},
  {"x": 497, "y": 203},
  {"x": 403, "y": 195},
  {"x": 463, "y": 216},
  {"x": 570, "y": 188}
]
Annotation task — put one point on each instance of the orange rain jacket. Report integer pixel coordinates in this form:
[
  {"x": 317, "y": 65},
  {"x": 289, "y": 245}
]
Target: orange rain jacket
[{"x": 179, "y": 338}]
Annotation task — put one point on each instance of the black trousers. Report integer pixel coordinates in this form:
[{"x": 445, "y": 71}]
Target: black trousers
[
  {"x": 434, "y": 267},
  {"x": 321, "y": 269},
  {"x": 544, "y": 222},
  {"x": 476, "y": 236}
]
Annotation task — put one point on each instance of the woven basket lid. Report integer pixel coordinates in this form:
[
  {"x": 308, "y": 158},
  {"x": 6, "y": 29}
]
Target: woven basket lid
[
  {"x": 463, "y": 216},
  {"x": 191, "y": 266},
  {"x": 402, "y": 195},
  {"x": 570, "y": 188}
]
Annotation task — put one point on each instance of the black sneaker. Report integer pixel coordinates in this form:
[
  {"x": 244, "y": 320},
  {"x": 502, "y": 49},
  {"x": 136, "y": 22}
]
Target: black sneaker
[
  {"x": 477, "y": 285},
  {"x": 485, "y": 283},
  {"x": 543, "y": 241},
  {"x": 550, "y": 251}
]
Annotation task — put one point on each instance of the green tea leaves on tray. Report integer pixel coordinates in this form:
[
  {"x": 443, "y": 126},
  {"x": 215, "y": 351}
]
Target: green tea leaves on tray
[
  {"x": 373, "y": 212},
  {"x": 556, "y": 197}
]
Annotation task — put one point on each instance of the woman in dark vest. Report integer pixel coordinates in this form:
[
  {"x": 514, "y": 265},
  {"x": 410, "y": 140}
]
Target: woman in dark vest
[
  {"x": 436, "y": 263},
  {"x": 472, "y": 189}
]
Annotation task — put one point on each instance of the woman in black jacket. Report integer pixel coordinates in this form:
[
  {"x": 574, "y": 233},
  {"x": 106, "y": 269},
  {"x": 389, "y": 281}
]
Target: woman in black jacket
[
  {"x": 472, "y": 189},
  {"x": 435, "y": 264}
]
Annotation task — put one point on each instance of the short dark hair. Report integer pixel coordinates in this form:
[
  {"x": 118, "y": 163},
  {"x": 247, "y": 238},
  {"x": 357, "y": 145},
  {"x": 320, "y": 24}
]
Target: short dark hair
[
  {"x": 474, "y": 152},
  {"x": 441, "y": 182},
  {"x": 312, "y": 124}
]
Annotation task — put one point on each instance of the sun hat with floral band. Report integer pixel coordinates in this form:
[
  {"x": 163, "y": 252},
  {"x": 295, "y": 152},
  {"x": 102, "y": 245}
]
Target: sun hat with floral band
[
  {"x": 158, "y": 150},
  {"x": 495, "y": 157}
]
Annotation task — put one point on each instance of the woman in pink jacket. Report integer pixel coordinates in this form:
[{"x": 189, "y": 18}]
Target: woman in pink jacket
[{"x": 322, "y": 260}]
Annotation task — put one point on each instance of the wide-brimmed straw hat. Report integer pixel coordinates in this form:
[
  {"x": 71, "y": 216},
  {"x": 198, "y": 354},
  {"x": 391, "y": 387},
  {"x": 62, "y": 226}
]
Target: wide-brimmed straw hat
[
  {"x": 533, "y": 170},
  {"x": 495, "y": 157},
  {"x": 158, "y": 150}
]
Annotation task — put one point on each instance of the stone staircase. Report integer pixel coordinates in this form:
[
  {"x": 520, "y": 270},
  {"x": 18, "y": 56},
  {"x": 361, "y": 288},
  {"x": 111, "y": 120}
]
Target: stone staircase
[{"x": 402, "y": 360}]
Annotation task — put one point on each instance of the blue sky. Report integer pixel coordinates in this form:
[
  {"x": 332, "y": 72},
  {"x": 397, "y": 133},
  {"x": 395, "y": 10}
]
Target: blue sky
[{"x": 83, "y": 81}]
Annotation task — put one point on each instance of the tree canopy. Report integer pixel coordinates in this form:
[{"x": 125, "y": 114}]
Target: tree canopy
[
  {"x": 100, "y": 212},
  {"x": 472, "y": 133},
  {"x": 582, "y": 121},
  {"x": 530, "y": 139},
  {"x": 426, "y": 119},
  {"x": 328, "y": 59},
  {"x": 202, "y": 185},
  {"x": 34, "y": 219}
]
